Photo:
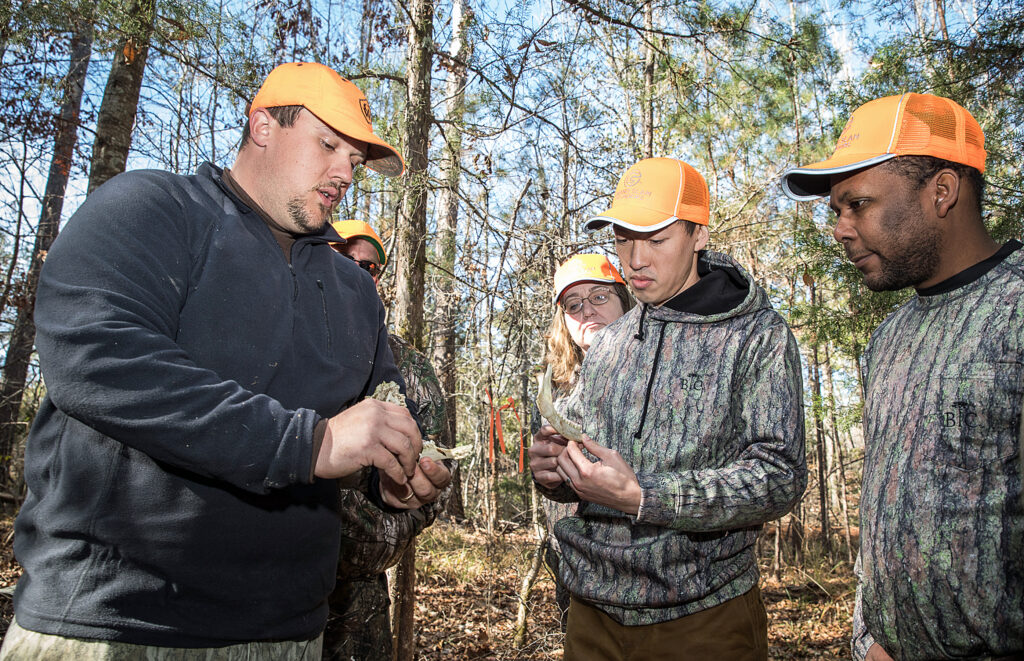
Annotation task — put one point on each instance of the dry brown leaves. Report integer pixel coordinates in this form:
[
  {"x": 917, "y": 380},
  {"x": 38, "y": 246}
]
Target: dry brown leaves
[{"x": 468, "y": 586}]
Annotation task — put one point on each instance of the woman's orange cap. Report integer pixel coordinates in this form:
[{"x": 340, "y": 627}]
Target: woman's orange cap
[{"x": 584, "y": 268}]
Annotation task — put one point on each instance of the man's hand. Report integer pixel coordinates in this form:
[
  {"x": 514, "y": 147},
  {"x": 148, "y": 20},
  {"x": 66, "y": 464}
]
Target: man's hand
[
  {"x": 426, "y": 484},
  {"x": 371, "y": 433},
  {"x": 876, "y": 653},
  {"x": 608, "y": 481},
  {"x": 544, "y": 451}
]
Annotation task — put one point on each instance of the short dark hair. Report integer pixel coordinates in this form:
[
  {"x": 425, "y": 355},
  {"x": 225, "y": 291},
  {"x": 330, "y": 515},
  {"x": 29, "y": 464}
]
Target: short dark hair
[
  {"x": 690, "y": 226},
  {"x": 284, "y": 115},
  {"x": 920, "y": 170}
]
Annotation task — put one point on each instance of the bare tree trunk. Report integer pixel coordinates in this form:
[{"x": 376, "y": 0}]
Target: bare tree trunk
[
  {"x": 819, "y": 432},
  {"x": 411, "y": 260},
  {"x": 519, "y": 636},
  {"x": 411, "y": 248},
  {"x": 447, "y": 296},
  {"x": 844, "y": 508},
  {"x": 23, "y": 336},
  {"x": 647, "y": 95},
  {"x": 121, "y": 96}
]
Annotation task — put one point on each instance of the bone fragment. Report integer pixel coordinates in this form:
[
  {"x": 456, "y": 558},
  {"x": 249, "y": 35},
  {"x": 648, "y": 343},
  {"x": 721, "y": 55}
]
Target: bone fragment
[
  {"x": 566, "y": 428},
  {"x": 390, "y": 392}
]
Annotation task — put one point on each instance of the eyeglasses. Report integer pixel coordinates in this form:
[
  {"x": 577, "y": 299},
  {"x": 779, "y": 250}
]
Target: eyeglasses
[
  {"x": 597, "y": 297},
  {"x": 373, "y": 268}
]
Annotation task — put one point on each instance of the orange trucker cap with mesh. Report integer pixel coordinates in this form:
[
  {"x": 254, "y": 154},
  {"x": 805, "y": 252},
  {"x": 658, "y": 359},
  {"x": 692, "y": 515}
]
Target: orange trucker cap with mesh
[
  {"x": 655, "y": 193},
  {"x": 905, "y": 125},
  {"x": 336, "y": 101},
  {"x": 584, "y": 268},
  {"x": 357, "y": 229}
]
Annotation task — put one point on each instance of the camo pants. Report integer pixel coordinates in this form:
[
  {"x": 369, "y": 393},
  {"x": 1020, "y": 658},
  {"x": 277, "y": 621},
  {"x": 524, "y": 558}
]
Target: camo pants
[
  {"x": 24, "y": 645},
  {"x": 359, "y": 627}
]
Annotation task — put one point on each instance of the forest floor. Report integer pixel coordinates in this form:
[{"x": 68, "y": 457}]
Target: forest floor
[{"x": 468, "y": 586}]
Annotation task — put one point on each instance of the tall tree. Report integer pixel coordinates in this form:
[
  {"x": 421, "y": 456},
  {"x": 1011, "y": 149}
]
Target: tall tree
[
  {"x": 411, "y": 259},
  {"x": 120, "y": 104},
  {"x": 19, "y": 351},
  {"x": 460, "y": 51}
]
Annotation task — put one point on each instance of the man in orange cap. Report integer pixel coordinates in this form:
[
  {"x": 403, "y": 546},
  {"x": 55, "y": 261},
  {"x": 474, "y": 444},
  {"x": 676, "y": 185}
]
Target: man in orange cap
[
  {"x": 207, "y": 355},
  {"x": 941, "y": 562},
  {"x": 691, "y": 408},
  {"x": 372, "y": 540}
]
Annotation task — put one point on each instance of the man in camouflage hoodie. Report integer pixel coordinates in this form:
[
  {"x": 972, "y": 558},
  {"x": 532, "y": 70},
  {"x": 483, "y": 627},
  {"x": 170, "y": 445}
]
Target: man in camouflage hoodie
[
  {"x": 373, "y": 540},
  {"x": 941, "y": 563},
  {"x": 693, "y": 402}
]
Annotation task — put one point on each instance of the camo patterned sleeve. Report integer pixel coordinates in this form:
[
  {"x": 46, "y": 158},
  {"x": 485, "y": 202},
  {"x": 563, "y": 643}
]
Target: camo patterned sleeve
[{"x": 373, "y": 540}]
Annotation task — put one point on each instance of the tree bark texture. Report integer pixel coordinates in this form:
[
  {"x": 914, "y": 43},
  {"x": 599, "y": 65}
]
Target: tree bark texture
[
  {"x": 23, "y": 336},
  {"x": 120, "y": 103},
  {"x": 411, "y": 255},
  {"x": 411, "y": 261},
  {"x": 447, "y": 296},
  {"x": 647, "y": 94}
]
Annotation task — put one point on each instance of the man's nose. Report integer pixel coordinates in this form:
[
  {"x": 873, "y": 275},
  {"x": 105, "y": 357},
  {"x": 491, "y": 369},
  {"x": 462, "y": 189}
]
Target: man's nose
[{"x": 843, "y": 230}]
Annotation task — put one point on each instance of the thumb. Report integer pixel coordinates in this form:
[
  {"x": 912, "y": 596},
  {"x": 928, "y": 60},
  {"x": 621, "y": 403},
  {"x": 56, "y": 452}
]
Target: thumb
[{"x": 595, "y": 448}]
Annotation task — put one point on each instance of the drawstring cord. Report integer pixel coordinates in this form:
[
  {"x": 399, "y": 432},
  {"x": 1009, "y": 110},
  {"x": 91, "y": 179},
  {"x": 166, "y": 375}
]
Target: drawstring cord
[
  {"x": 640, "y": 331},
  {"x": 650, "y": 381}
]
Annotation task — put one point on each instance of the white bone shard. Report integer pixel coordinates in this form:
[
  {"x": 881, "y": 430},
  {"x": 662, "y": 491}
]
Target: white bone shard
[{"x": 566, "y": 428}]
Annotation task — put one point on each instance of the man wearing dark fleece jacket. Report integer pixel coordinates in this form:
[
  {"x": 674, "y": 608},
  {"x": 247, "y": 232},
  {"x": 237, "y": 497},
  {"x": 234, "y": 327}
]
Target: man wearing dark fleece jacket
[
  {"x": 207, "y": 355},
  {"x": 941, "y": 563},
  {"x": 693, "y": 402}
]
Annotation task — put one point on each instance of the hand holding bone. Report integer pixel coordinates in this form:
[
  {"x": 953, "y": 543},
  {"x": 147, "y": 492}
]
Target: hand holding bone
[
  {"x": 370, "y": 433},
  {"x": 547, "y": 445},
  {"x": 609, "y": 481},
  {"x": 425, "y": 485}
]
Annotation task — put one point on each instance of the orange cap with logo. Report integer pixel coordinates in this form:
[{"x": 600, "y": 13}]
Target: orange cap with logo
[
  {"x": 336, "y": 101},
  {"x": 357, "y": 229},
  {"x": 655, "y": 193},
  {"x": 584, "y": 268},
  {"x": 904, "y": 125}
]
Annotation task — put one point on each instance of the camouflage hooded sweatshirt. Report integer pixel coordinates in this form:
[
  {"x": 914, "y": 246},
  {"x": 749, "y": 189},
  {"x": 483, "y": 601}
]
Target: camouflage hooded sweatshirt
[
  {"x": 707, "y": 410},
  {"x": 942, "y": 520}
]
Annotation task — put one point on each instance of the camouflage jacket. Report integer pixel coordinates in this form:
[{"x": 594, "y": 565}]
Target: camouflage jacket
[
  {"x": 707, "y": 410},
  {"x": 942, "y": 524},
  {"x": 373, "y": 540}
]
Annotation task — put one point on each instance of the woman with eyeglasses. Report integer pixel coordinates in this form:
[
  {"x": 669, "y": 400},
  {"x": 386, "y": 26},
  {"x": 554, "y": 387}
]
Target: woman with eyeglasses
[{"x": 589, "y": 294}]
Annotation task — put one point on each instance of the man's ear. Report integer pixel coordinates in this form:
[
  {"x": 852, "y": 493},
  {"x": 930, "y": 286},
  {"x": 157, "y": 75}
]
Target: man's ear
[
  {"x": 260, "y": 126},
  {"x": 945, "y": 188},
  {"x": 702, "y": 237}
]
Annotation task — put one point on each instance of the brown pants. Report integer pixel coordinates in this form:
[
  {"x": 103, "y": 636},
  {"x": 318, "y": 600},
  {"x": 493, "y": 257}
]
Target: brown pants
[{"x": 735, "y": 631}]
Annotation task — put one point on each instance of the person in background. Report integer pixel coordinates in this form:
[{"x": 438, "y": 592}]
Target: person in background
[
  {"x": 373, "y": 539},
  {"x": 691, "y": 408},
  {"x": 589, "y": 294},
  {"x": 941, "y": 563},
  {"x": 207, "y": 356}
]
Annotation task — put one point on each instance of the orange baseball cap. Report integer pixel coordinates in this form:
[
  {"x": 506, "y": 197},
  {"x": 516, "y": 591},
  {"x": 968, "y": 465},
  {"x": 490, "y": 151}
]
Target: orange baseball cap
[
  {"x": 904, "y": 125},
  {"x": 336, "y": 101},
  {"x": 357, "y": 229},
  {"x": 655, "y": 193},
  {"x": 584, "y": 268}
]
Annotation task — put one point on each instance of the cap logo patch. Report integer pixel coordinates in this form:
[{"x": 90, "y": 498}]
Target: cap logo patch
[
  {"x": 846, "y": 139},
  {"x": 364, "y": 105},
  {"x": 630, "y": 180}
]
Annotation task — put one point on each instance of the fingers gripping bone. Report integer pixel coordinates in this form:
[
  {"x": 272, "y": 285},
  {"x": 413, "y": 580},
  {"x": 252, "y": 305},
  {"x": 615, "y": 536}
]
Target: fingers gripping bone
[
  {"x": 566, "y": 428},
  {"x": 391, "y": 393}
]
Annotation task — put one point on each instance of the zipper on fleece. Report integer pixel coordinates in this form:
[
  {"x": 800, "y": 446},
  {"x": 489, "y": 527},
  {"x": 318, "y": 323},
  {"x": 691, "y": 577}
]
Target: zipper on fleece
[{"x": 327, "y": 317}]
